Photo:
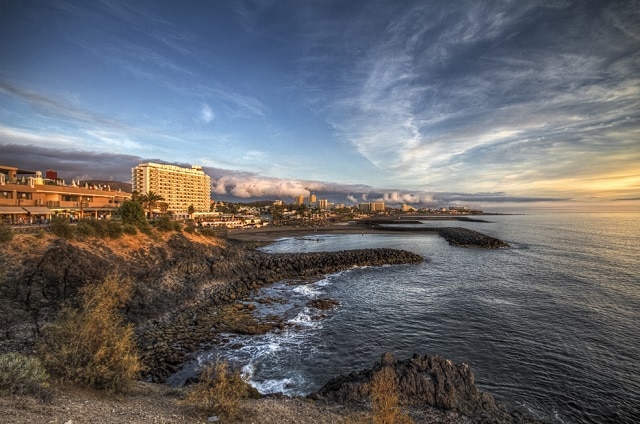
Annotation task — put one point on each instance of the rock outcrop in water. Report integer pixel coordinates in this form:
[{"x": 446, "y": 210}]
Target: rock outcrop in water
[{"x": 428, "y": 381}]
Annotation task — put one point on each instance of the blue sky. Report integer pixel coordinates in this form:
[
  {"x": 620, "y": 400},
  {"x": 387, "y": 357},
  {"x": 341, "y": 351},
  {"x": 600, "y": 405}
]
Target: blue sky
[{"x": 482, "y": 103}]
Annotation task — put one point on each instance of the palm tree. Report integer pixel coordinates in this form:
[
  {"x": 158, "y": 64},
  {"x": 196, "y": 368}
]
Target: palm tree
[{"x": 150, "y": 200}]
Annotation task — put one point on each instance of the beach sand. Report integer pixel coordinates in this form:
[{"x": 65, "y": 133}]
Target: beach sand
[{"x": 269, "y": 233}]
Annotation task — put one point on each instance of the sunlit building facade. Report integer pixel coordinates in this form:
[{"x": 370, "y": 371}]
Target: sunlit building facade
[
  {"x": 180, "y": 187},
  {"x": 26, "y": 197}
]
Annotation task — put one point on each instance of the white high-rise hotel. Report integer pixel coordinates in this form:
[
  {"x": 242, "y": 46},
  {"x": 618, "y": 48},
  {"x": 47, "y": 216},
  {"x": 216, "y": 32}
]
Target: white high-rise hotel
[{"x": 180, "y": 187}]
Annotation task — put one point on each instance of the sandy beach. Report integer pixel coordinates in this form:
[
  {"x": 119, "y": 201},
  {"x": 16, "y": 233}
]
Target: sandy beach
[{"x": 269, "y": 233}]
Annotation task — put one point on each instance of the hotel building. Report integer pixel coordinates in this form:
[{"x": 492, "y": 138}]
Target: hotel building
[
  {"x": 180, "y": 187},
  {"x": 27, "y": 197},
  {"x": 372, "y": 207}
]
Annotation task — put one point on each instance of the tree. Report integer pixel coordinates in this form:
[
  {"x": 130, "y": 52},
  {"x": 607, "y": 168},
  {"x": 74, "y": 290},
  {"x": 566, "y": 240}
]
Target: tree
[
  {"x": 191, "y": 210},
  {"x": 150, "y": 200},
  {"x": 163, "y": 206},
  {"x": 132, "y": 213}
]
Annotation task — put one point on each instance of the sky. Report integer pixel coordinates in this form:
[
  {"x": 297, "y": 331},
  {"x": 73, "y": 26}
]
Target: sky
[{"x": 487, "y": 104}]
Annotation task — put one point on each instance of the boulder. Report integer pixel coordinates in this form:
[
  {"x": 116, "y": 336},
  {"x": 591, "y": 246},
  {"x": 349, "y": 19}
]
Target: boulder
[{"x": 427, "y": 381}]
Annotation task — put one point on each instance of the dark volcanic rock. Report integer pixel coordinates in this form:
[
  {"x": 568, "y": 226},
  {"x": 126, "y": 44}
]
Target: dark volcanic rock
[
  {"x": 323, "y": 304},
  {"x": 179, "y": 288},
  {"x": 463, "y": 237},
  {"x": 424, "y": 381}
]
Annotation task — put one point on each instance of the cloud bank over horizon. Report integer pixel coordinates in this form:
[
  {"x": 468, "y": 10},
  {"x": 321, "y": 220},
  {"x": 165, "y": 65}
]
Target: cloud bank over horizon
[
  {"x": 237, "y": 186},
  {"x": 501, "y": 100}
]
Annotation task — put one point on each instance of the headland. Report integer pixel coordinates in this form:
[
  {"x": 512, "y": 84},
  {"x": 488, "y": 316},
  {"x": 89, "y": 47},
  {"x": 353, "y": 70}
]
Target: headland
[{"x": 188, "y": 290}]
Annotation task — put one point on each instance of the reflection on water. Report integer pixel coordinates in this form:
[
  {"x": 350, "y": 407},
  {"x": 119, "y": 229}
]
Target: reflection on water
[{"x": 549, "y": 326}]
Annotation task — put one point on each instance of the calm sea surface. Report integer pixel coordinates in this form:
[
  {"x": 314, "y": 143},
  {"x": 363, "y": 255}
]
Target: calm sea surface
[{"x": 551, "y": 326}]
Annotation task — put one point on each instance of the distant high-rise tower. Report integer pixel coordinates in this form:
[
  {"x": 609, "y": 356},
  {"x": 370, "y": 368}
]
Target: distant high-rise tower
[
  {"x": 300, "y": 200},
  {"x": 180, "y": 187}
]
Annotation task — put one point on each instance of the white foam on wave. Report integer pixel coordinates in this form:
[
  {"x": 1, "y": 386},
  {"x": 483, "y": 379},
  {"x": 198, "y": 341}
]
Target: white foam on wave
[
  {"x": 322, "y": 283},
  {"x": 305, "y": 319},
  {"x": 307, "y": 290},
  {"x": 282, "y": 385}
]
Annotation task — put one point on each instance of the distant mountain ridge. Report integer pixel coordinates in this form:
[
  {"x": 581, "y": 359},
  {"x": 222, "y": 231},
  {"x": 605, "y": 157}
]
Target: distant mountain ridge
[{"x": 115, "y": 185}]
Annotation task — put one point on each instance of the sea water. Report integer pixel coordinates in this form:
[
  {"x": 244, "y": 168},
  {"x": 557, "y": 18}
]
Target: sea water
[{"x": 550, "y": 326}]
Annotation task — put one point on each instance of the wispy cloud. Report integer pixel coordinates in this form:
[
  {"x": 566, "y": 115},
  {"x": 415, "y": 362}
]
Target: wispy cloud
[
  {"x": 57, "y": 107},
  {"x": 455, "y": 97},
  {"x": 206, "y": 114}
]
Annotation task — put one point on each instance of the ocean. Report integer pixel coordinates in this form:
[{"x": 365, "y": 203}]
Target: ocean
[{"x": 550, "y": 326}]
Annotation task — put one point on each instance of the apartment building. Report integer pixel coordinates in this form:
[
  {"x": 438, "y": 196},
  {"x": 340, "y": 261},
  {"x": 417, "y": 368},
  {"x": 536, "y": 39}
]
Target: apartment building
[
  {"x": 180, "y": 187},
  {"x": 372, "y": 207},
  {"x": 27, "y": 197}
]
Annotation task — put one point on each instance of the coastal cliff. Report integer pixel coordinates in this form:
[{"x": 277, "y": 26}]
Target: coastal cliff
[
  {"x": 188, "y": 288},
  {"x": 184, "y": 285}
]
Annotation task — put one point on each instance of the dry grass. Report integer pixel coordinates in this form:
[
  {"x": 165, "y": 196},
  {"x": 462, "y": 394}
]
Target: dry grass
[
  {"x": 219, "y": 391},
  {"x": 385, "y": 399},
  {"x": 91, "y": 346},
  {"x": 385, "y": 402}
]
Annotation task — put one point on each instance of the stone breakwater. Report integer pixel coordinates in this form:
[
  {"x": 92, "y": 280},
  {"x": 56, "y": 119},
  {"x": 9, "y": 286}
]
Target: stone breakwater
[
  {"x": 424, "y": 381},
  {"x": 455, "y": 236}
]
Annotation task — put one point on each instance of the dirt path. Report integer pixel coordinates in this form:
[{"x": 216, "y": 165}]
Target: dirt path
[{"x": 154, "y": 403}]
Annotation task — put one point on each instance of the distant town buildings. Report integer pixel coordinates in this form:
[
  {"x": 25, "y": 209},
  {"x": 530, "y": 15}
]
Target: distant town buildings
[
  {"x": 372, "y": 207},
  {"x": 180, "y": 187},
  {"x": 26, "y": 197}
]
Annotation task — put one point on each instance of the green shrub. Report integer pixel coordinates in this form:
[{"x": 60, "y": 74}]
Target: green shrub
[
  {"x": 132, "y": 212},
  {"x": 61, "y": 228},
  {"x": 22, "y": 375},
  {"x": 99, "y": 227},
  {"x": 190, "y": 228},
  {"x": 6, "y": 233},
  {"x": 113, "y": 229},
  {"x": 84, "y": 229},
  {"x": 91, "y": 345},
  {"x": 146, "y": 229},
  {"x": 163, "y": 223},
  {"x": 219, "y": 391},
  {"x": 129, "y": 229}
]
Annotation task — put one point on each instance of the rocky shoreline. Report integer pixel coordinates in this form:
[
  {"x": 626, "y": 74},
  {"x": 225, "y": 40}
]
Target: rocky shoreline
[
  {"x": 188, "y": 289},
  {"x": 166, "y": 343}
]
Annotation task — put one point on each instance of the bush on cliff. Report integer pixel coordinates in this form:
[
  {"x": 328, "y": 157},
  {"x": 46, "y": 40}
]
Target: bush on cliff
[
  {"x": 219, "y": 391},
  {"x": 133, "y": 213},
  {"x": 91, "y": 345},
  {"x": 164, "y": 223},
  {"x": 84, "y": 229},
  {"x": 6, "y": 233},
  {"x": 22, "y": 375},
  {"x": 61, "y": 228},
  {"x": 129, "y": 229},
  {"x": 385, "y": 399}
]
